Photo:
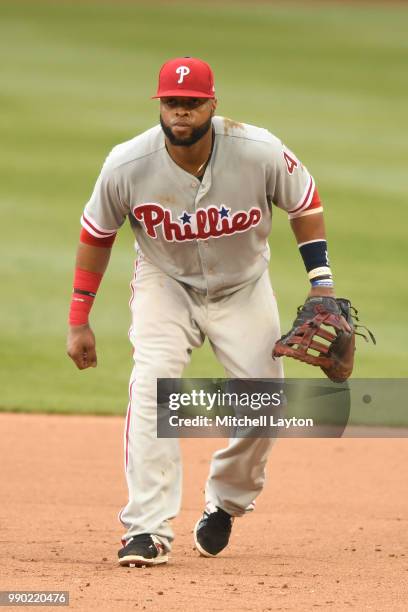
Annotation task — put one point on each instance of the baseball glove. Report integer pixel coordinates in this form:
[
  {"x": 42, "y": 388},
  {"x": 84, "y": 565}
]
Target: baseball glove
[{"x": 323, "y": 334}]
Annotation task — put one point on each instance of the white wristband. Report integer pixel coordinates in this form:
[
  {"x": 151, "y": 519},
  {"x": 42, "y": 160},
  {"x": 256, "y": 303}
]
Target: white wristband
[{"x": 322, "y": 271}]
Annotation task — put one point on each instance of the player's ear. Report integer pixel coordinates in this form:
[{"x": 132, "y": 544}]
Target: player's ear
[{"x": 214, "y": 102}]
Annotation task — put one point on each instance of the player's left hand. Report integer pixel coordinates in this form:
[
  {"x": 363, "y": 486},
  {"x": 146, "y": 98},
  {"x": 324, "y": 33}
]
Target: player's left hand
[
  {"x": 323, "y": 334},
  {"x": 321, "y": 292}
]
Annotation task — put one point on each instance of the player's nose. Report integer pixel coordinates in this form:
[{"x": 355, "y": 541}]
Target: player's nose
[{"x": 181, "y": 111}]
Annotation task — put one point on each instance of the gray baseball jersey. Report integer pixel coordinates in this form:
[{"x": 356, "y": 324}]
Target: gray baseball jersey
[{"x": 210, "y": 234}]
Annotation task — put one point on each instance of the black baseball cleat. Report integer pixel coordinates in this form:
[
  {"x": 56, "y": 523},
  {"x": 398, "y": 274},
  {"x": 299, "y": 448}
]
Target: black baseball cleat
[
  {"x": 143, "y": 549},
  {"x": 212, "y": 532}
]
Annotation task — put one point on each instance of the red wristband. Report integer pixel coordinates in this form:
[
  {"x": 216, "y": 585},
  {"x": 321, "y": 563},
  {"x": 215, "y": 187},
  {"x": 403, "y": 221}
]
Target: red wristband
[{"x": 86, "y": 285}]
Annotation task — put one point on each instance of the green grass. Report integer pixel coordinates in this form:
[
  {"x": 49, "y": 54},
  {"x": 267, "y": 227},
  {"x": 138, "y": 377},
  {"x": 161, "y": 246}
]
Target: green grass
[{"x": 76, "y": 79}]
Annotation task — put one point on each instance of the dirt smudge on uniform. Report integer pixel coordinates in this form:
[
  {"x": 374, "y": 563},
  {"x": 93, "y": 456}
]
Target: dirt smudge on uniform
[
  {"x": 166, "y": 199},
  {"x": 230, "y": 124}
]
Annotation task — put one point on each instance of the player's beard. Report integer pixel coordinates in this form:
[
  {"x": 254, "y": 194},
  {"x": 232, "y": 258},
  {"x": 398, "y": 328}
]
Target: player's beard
[{"x": 196, "y": 133}]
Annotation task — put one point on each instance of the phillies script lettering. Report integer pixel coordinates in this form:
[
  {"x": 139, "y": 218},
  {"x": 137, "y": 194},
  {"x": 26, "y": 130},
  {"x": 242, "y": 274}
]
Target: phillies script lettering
[{"x": 204, "y": 223}]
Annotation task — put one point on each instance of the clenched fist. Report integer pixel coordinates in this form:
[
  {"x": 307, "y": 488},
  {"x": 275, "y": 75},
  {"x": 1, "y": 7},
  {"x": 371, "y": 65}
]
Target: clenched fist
[{"x": 81, "y": 346}]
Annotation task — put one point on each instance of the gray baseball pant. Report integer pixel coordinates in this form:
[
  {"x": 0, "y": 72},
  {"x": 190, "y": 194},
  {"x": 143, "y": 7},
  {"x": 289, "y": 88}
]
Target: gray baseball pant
[{"x": 168, "y": 321}]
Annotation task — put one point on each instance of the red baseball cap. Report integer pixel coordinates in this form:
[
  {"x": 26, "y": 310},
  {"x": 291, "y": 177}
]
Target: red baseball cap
[{"x": 187, "y": 77}]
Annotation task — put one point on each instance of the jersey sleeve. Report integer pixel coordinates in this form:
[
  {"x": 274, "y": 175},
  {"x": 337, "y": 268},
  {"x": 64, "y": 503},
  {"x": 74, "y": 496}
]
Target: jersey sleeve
[
  {"x": 293, "y": 188},
  {"x": 105, "y": 211}
]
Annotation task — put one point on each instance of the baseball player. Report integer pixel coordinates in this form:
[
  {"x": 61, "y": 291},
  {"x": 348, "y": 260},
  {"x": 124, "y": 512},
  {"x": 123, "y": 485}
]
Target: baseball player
[{"x": 199, "y": 191}]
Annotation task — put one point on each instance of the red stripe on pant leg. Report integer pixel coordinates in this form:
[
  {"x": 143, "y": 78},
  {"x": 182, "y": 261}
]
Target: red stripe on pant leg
[
  {"x": 132, "y": 282},
  {"x": 129, "y": 411},
  {"x": 132, "y": 297}
]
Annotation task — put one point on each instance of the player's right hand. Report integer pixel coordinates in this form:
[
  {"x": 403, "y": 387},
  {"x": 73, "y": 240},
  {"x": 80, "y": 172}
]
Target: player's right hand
[{"x": 81, "y": 346}]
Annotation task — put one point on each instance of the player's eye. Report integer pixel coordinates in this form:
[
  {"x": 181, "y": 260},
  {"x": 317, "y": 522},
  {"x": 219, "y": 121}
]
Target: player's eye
[
  {"x": 196, "y": 102},
  {"x": 170, "y": 102},
  {"x": 187, "y": 103}
]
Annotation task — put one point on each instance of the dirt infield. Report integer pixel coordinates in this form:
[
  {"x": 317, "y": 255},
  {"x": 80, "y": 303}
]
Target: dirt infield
[{"x": 329, "y": 531}]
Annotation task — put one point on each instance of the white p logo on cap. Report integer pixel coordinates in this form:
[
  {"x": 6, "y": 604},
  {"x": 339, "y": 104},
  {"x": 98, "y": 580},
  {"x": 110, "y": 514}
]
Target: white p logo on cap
[{"x": 182, "y": 71}]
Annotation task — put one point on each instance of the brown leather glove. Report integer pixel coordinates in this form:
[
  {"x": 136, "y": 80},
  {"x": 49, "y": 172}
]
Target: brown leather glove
[{"x": 323, "y": 334}]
